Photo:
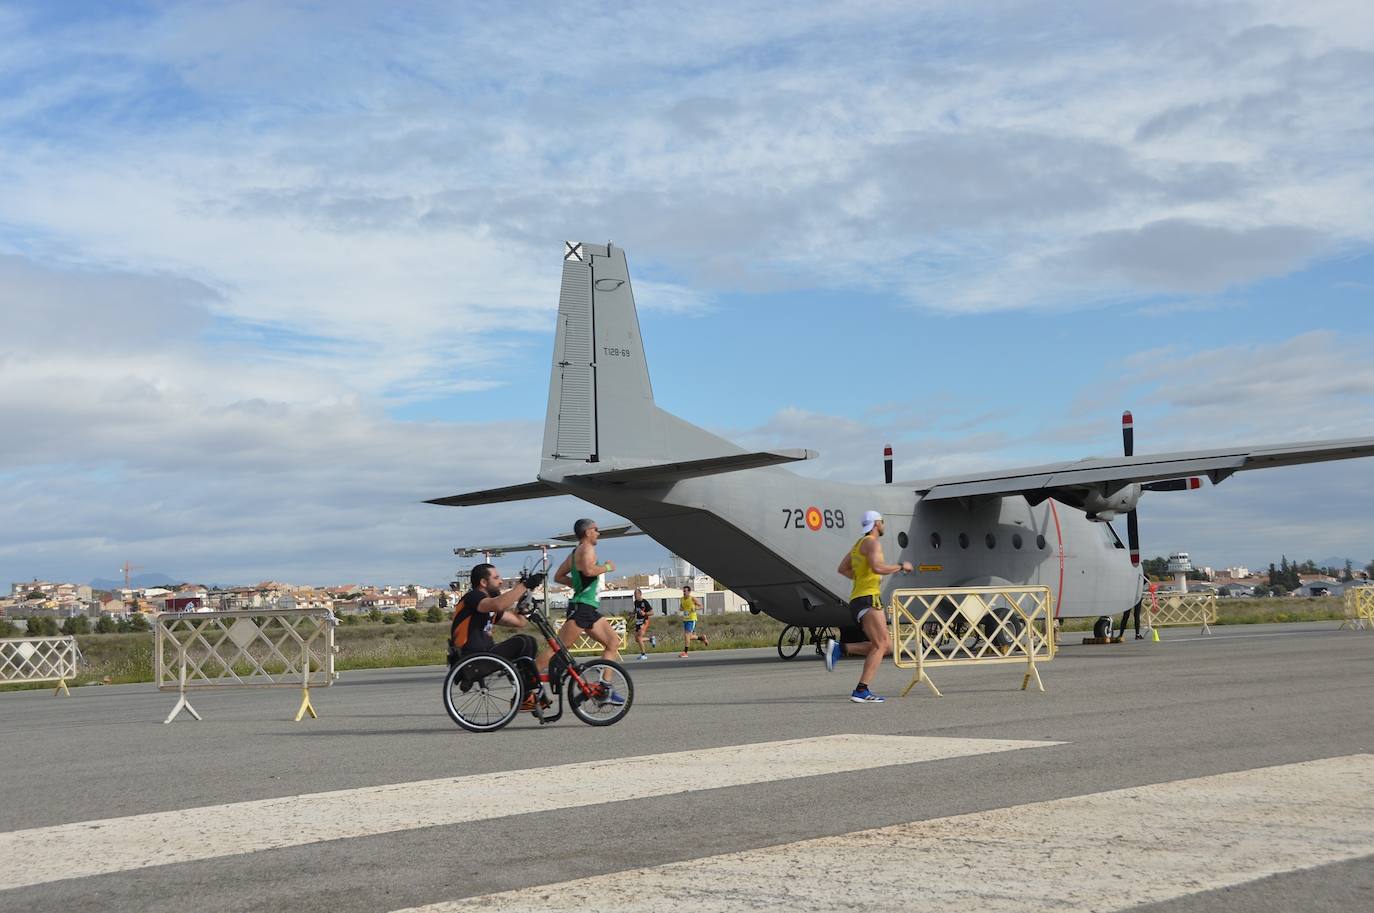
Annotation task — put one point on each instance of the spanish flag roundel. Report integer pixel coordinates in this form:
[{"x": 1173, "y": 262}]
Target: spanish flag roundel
[{"x": 813, "y": 517}]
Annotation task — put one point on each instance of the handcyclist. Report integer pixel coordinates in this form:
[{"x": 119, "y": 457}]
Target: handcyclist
[
  {"x": 864, "y": 564},
  {"x": 581, "y": 572},
  {"x": 484, "y": 606}
]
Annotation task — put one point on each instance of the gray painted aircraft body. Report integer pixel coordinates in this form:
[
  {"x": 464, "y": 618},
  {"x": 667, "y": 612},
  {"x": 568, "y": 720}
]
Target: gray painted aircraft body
[{"x": 776, "y": 538}]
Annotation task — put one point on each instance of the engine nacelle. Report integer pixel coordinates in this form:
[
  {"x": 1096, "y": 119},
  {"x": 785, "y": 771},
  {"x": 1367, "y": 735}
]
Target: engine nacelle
[{"x": 1107, "y": 507}]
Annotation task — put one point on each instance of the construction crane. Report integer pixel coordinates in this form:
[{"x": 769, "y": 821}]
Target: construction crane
[{"x": 129, "y": 569}]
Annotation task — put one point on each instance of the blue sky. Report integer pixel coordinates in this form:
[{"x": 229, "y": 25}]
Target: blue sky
[{"x": 272, "y": 273}]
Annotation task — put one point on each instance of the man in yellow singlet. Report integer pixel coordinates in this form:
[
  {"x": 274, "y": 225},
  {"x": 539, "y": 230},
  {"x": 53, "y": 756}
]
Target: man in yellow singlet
[
  {"x": 864, "y": 564},
  {"x": 688, "y": 607}
]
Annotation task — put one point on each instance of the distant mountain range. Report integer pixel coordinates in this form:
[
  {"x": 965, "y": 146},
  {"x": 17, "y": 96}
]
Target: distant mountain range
[
  {"x": 138, "y": 581},
  {"x": 1339, "y": 563}
]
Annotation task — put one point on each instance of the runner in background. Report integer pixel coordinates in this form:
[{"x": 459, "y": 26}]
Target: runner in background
[
  {"x": 689, "y": 607},
  {"x": 643, "y": 612}
]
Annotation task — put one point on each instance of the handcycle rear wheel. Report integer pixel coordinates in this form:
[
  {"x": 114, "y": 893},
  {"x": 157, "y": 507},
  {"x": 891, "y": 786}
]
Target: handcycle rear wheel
[
  {"x": 612, "y": 682},
  {"x": 790, "y": 641},
  {"x": 493, "y": 694}
]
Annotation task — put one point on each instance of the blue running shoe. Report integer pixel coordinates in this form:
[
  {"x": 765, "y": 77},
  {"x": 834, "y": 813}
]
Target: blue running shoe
[
  {"x": 604, "y": 693},
  {"x": 865, "y": 697},
  {"x": 831, "y": 653}
]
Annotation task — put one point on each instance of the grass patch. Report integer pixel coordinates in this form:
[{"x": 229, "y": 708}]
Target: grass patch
[
  {"x": 1281, "y": 609},
  {"x": 1248, "y": 611}
]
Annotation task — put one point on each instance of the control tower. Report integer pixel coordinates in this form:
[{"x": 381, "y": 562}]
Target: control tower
[{"x": 1179, "y": 565}]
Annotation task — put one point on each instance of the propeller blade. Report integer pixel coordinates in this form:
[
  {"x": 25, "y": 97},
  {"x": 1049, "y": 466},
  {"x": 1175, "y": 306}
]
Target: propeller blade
[
  {"x": 1132, "y": 522},
  {"x": 1191, "y": 483},
  {"x": 887, "y": 464},
  {"x": 1133, "y": 537}
]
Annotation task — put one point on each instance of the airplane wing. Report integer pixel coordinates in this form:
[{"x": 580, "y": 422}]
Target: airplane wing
[
  {"x": 567, "y": 541},
  {"x": 1110, "y": 473},
  {"x": 607, "y": 532}
]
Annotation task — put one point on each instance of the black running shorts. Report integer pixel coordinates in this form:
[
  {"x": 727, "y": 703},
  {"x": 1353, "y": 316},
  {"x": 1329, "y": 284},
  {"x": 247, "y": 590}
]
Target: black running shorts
[
  {"x": 583, "y": 615},
  {"x": 861, "y": 604}
]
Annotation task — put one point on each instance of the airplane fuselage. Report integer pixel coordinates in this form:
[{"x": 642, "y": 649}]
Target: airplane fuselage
[
  {"x": 777, "y": 538},
  {"x": 749, "y": 531}
]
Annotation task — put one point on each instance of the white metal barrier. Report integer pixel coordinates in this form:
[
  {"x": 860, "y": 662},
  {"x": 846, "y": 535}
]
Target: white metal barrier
[
  {"x": 291, "y": 648},
  {"x": 1359, "y": 608},
  {"x": 1163, "y": 610},
  {"x": 39, "y": 659},
  {"x": 585, "y": 644},
  {"x": 972, "y": 625}
]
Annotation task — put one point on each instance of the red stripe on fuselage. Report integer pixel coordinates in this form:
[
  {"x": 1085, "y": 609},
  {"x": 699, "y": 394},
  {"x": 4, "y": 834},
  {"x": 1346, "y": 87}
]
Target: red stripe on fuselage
[{"x": 1059, "y": 597}]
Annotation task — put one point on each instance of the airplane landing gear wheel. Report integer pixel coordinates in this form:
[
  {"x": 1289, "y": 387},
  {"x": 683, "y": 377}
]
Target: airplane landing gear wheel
[{"x": 1103, "y": 628}]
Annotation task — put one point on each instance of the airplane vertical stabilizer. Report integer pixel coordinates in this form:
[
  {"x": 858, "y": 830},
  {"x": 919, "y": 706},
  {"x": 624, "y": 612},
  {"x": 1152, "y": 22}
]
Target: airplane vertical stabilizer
[{"x": 601, "y": 404}]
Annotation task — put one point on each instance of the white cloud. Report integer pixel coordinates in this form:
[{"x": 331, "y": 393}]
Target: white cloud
[{"x": 343, "y": 156}]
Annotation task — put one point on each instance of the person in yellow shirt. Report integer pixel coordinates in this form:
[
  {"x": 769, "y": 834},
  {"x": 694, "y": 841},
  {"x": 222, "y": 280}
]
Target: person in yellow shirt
[
  {"x": 864, "y": 565},
  {"x": 688, "y": 607}
]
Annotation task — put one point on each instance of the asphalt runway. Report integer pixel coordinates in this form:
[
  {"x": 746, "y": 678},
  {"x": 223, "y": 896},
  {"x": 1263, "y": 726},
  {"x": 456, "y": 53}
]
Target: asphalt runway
[{"x": 1160, "y": 777}]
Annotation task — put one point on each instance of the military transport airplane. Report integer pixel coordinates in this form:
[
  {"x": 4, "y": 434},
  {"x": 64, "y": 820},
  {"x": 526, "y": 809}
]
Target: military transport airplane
[{"x": 775, "y": 537}]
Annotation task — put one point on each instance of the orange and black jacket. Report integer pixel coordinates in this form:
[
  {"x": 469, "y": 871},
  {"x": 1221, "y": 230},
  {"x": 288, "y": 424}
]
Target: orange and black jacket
[{"x": 471, "y": 629}]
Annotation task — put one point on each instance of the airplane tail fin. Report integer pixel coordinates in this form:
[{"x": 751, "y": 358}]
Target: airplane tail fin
[
  {"x": 602, "y": 426},
  {"x": 601, "y": 404}
]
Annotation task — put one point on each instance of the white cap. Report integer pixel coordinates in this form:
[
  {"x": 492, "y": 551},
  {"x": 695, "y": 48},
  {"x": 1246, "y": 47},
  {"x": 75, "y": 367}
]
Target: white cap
[{"x": 870, "y": 518}]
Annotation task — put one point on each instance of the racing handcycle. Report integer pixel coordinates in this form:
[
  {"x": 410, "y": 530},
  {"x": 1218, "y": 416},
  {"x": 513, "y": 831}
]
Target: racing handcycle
[{"x": 484, "y": 691}]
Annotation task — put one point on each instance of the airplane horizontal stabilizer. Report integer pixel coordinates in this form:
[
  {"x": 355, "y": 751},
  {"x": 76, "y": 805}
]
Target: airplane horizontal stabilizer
[
  {"x": 656, "y": 473},
  {"x": 498, "y": 495},
  {"x": 1108, "y": 473}
]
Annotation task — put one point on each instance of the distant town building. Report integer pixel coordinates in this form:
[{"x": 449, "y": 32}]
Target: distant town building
[
  {"x": 22, "y": 590},
  {"x": 668, "y": 601}
]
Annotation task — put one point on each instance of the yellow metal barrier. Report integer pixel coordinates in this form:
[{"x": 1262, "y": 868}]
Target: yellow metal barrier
[
  {"x": 1164, "y": 610},
  {"x": 1359, "y": 608},
  {"x": 972, "y": 625},
  {"x": 586, "y": 645},
  {"x": 39, "y": 659},
  {"x": 292, "y": 648}
]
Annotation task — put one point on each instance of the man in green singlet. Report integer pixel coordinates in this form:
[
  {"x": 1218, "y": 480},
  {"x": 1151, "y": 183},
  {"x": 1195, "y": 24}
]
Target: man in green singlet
[
  {"x": 864, "y": 564},
  {"x": 581, "y": 572}
]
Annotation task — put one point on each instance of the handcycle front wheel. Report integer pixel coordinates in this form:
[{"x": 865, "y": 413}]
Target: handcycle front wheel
[
  {"x": 614, "y": 693},
  {"x": 790, "y": 641},
  {"x": 482, "y": 693}
]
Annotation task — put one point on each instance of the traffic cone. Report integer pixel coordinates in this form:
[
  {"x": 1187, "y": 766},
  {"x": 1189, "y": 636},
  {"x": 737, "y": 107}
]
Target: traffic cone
[{"x": 1154, "y": 634}]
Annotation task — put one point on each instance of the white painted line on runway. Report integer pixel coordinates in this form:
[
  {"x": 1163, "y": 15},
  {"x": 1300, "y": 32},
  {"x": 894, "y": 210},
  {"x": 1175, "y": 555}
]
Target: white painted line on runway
[
  {"x": 43, "y": 854},
  {"x": 1215, "y": 638},
  {"x": 1103, "y": 852}
]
